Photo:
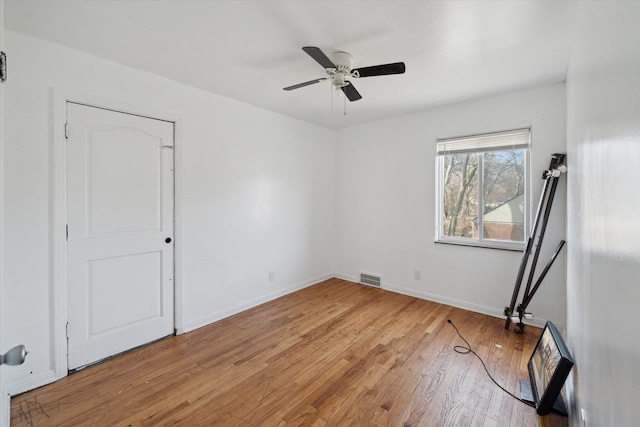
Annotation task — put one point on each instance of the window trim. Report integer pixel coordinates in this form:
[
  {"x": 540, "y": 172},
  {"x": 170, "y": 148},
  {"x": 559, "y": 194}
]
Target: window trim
[{"x": 441, "y": 151}]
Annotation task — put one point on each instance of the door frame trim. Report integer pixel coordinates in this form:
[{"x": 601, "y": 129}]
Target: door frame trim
[{"x": 58, "y": 261}]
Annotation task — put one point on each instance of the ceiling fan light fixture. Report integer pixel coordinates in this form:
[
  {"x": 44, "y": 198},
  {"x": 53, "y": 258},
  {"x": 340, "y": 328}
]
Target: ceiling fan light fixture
[{"x": 343, "y": 61}]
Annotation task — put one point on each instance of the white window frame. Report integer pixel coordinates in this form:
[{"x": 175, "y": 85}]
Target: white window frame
[{"x": 481, "y": 143}]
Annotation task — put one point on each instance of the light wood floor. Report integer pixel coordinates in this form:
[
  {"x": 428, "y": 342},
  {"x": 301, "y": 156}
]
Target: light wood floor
[{"x": 335, "y": 354}]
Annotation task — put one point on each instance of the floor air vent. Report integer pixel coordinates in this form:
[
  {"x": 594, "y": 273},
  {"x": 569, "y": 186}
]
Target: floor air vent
[{"x": 370, "y": 279}]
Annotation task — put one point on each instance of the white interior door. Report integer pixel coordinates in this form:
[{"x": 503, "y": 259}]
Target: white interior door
[{"x": 120, "y": 231}]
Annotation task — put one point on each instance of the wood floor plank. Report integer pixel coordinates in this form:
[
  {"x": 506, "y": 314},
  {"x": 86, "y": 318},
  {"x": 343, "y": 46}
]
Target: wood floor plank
[{"x": 333, "y": 354}]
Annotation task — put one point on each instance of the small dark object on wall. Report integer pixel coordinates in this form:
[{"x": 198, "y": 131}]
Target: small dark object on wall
[{"x": 3, "y": 66}]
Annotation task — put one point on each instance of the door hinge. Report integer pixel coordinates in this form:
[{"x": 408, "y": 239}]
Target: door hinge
[
  {"x": 67, "y": 232},
  {"x": 3, "y": 66},
  {"x": 66, "y": 130},
  {"x": 67, "y": 330}
]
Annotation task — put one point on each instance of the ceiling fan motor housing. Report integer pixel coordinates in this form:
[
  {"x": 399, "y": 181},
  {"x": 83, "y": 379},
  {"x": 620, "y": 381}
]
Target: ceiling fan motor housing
[{"x": 343, "y": 62}]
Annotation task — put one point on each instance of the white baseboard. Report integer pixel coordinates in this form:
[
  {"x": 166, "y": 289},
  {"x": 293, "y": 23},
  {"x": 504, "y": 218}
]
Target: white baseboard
[
  {"x": 22, "y": 386},
  {"x": 5, "y": 409},
  {"x": 34, "y": 381},
  {"x": 465, "y": 305},
  {"x": 221, "y": 314},
  {"x": 346, "y": 277}
]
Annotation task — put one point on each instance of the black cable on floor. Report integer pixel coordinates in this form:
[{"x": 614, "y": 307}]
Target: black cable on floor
[{"x": 466, "y": 350}]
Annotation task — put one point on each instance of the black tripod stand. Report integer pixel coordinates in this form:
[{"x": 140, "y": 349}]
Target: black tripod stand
[{"x": 551, "y": 176}]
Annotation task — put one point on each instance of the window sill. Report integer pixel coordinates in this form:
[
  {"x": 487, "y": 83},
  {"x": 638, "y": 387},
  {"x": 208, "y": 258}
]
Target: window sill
[{"x": 504, "y": 246}]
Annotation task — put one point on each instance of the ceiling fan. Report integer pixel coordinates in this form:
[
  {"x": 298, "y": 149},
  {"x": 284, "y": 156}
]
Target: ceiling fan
[{"x": 339, "y": 68}]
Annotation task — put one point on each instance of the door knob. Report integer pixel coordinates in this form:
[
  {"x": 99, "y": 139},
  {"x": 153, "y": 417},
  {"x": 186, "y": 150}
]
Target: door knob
[
  {"x": 15, "y": 356},
  {"x": 168, "y": 240}
]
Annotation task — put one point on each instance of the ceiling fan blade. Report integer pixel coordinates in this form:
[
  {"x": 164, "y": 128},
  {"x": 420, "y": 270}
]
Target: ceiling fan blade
[
  {"x": 379, "y": 70},
  {"x": 299, "y": 85},
  {"x": 351, "y": 93},
  {"x": 319, "y": 56}
]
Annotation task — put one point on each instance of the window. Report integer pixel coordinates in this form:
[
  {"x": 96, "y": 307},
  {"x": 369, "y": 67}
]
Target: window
[{"x": 482, "y": 189}]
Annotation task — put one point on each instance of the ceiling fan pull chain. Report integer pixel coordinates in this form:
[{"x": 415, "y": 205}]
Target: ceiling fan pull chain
[
  {"x": 331, "y": 90},
  {"x": 345, "y": 105}
]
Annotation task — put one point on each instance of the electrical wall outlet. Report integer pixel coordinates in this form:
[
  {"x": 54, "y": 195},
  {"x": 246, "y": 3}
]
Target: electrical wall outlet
[
  {"x": 272, "y": 276},
  {"x": 417, "y": 274}
]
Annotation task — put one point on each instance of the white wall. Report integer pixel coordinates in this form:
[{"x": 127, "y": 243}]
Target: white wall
[
  {"x": 385, "y": 204},
  {"x": 256, "y": 195},
  {"x": 603, "y": 289},
  {"x": 4, "y": 397}
]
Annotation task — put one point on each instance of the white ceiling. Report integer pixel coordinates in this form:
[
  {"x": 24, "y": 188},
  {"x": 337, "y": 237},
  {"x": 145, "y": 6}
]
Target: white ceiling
[{"x": 249, "y": 50}]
